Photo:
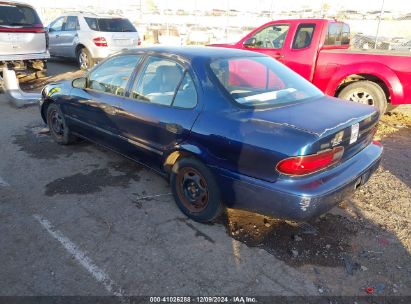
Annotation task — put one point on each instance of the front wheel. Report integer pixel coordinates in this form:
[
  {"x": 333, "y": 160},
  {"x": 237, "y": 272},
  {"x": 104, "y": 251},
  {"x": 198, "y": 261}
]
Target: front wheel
[
  {"x": 365, "y": 92},
  {"x": 196, "y": 191},
  {"x": 58, "y": 127}
]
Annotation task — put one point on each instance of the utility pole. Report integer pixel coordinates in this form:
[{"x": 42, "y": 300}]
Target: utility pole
[{"x": 378, "y": 26}]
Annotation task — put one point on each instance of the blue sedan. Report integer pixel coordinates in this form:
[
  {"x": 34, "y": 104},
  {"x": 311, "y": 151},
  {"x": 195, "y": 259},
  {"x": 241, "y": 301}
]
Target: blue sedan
[{"x": 229, "y": 128}]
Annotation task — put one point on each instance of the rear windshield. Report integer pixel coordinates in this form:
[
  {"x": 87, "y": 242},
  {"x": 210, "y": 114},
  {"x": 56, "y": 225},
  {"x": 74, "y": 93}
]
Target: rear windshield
[
  {"x": 110, "y": 24},
  {"x": 261, "y": 81},
  {"x": 18, "y": 15}
]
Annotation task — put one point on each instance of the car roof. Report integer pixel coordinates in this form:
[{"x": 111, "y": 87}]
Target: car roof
[
  {"x": 195, "y": 52},
  {"x": 92, "y": 15}
]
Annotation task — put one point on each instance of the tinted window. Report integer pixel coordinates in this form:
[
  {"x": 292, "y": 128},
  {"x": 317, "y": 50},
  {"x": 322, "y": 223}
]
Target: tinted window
[
  {"x": 159, "y": 81},
  {"x": 71, "y": 24},
  {"x": 261, "y": 81},
  {"x": 271, "y": 37},
  {"x": 110, "y": 24},
  {"x": 112, "y": 76},
  {"x": 303, "y": 36},
  {"x": 338, "y": 34},
  {"x": 18, "y": 15}
]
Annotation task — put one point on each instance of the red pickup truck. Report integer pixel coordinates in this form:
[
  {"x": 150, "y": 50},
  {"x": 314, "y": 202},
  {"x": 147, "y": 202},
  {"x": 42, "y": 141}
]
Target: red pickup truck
[{"x": 318, "y": 50}]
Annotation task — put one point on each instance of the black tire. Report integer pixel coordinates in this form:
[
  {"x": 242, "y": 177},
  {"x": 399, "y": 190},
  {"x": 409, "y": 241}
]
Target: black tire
[
  {"x": 58, "y": 127},
  {"x": 196, "y": 191},
  {"x": 365, "y": 92},
  {"x": 84, "y": 59}
]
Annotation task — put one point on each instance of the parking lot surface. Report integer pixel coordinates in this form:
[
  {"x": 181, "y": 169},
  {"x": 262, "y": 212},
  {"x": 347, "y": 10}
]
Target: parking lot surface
[{"x": 81, "y": 220}]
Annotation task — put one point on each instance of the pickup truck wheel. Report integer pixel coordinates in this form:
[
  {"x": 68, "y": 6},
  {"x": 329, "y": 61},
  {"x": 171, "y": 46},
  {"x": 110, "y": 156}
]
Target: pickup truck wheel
[
  {"x": 195, "y": 190},
  {"x": 365, "y": 92},
  {"x": 58, "y": 127},
  {"x": 85, "y": 61}
]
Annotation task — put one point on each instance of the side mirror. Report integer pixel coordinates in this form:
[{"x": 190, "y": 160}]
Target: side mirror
[
  {"x": 250, "y": 42},
  {"x": 79, "y": 83}
]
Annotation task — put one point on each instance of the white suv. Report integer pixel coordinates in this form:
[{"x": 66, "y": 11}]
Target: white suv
[{"x": 89, "y": 37}]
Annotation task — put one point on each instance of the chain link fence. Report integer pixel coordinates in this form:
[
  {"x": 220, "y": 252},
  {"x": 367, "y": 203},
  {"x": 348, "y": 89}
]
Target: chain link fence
[{"x": 374, "y": 24}]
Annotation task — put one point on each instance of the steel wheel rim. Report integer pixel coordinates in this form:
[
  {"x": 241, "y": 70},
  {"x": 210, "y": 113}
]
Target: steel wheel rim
[
  {"x": 362, "y": 97},
  {"x": 192, "y": 189},
  {"x": 83, "y": 60},
  {"x": 56, "y": 123}
]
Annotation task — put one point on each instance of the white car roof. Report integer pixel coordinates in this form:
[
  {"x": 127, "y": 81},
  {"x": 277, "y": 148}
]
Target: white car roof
[{"x": 91, "y": 15}]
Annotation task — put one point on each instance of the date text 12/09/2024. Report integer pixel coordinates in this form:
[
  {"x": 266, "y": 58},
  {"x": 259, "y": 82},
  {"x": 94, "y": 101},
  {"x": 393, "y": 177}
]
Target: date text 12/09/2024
[{"x": 203, "y": 299}]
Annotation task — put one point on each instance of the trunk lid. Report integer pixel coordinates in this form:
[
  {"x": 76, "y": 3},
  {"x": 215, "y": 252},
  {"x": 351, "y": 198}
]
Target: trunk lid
[{"x": 333, "y": 121}]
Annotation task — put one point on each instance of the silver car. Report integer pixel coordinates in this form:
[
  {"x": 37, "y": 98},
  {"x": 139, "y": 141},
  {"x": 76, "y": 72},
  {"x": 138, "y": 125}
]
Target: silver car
[
  {"x": 23, "y": 39},
  {"x": 89, "y": 37}
]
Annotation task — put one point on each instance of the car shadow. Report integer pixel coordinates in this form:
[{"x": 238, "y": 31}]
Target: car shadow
[{"x": 347, "y": 243}]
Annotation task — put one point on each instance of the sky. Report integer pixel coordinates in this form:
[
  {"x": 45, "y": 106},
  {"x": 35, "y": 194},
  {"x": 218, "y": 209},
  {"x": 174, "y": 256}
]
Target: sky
[{"x": 241, "y": 5}]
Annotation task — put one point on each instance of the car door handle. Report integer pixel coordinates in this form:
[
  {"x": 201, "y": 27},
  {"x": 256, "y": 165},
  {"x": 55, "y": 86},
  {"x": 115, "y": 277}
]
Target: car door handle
[
  {"x": 279, "y": 56},
  {"x": 174, "y": 128}
]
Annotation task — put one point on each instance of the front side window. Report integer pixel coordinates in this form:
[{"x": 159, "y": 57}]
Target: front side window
[
  {"x": 57, "y": 25},
  {"x": 160, "y": 80},
  {"x": 271, "y": 37},
  {"x": 261, "y": 81},
  {"x": 303, "y": 36},
  {"x": 113, "y": 75},
  {"x": 71, "y": 24}
]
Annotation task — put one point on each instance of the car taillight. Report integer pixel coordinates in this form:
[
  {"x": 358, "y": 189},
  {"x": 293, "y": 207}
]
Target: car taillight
[
  {"x": 100, "y": 41},
  {"x": 36, "y": 28},
  {"x": 302, "y": 165}
]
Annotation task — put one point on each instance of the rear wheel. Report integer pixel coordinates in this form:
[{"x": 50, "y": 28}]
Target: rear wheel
[
  {"x": 365, "y": 92},
  {"x": 58, "y": 127},
  {"x": 195, "y": 190},
  {"x": 84, "y": 59}
]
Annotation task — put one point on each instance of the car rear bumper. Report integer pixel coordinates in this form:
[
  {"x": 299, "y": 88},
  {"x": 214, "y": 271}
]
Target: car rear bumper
[
  {"x": 17, "y": 57},
  {"x": 300, "y": 198}
]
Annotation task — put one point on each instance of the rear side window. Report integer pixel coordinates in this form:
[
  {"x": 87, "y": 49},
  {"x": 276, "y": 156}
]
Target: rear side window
[
  {"x": 165, "y": 82},
  {"x": 110, "y": 24},
  {"x": 159, "y": 81},
  {"x": 18, "y": 15},
  {"x": 303, "y": 36},
  {"x": 71, "y": 24},
  {"x": 112, "y": 76},
  {"x": 338, "y": 34}
]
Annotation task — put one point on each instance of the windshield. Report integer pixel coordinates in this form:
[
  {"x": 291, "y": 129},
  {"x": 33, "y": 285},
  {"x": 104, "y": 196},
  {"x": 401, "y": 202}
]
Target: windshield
[
  {"x": 18, "y": 15},
  {"x": 261, "y": 81},
  {"x": 110, "y": 24}
]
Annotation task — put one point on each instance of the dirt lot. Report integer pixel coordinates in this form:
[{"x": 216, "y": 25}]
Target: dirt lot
[{"x": 123, "y": 221}]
